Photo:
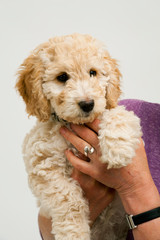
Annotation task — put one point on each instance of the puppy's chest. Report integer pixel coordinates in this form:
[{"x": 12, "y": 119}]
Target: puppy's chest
[
  {"x": 44, "y": 148},
  {"x": 56, "y": 145}
]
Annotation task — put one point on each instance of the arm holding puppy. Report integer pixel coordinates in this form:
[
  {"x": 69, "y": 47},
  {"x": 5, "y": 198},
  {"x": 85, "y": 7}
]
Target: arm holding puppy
[{"x": 133, "y": 183}]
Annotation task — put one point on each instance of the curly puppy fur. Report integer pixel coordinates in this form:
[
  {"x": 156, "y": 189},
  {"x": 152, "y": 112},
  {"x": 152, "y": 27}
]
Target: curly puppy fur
[{"x": 53, "y": 80}]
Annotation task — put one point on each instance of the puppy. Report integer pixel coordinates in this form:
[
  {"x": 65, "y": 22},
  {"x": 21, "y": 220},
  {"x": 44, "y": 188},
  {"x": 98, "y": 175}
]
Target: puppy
[{"x": 73, "y": 79}]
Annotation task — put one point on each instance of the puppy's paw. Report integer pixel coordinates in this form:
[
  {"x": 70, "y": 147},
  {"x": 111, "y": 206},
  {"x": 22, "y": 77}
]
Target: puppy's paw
[{"x": 119, "y": 136}]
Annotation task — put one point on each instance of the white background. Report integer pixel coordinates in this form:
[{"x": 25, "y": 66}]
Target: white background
[{"x": 130, "y": 29}]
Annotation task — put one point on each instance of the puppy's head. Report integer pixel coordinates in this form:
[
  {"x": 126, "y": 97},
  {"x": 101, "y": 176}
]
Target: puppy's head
[{"x": 72, "y": 76}]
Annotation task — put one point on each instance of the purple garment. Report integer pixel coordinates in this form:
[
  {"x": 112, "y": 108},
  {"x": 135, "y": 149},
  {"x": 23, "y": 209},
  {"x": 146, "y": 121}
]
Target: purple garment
[{"x": 149, "y": 113}]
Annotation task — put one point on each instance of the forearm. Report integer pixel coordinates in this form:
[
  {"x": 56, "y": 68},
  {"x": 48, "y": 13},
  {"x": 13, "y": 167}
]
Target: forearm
[
  {"x": 140, "y": 201},
  {"x": 45, "y": 228}
]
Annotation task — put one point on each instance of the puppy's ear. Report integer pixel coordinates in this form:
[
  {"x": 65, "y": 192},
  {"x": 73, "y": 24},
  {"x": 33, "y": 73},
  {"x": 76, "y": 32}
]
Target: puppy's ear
[
  {"x": 113, "y": 88},
  {"x": 29, "y": 85}
]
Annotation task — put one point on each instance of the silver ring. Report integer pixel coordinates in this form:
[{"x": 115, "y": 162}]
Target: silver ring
[{"x": 87, "y": 150}]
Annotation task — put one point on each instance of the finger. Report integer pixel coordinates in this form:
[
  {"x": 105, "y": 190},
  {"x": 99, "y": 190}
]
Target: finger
[
  {"x": 77, "y": 142},
  {"x": 86, "y": 133},
  {"x": 79, "y": 164},
  {"x": 76, "y": 174},
  {"x": 81, "y": 156},
  {"x": 84, "y": 180},
  {"x": 94, "y": 125}
]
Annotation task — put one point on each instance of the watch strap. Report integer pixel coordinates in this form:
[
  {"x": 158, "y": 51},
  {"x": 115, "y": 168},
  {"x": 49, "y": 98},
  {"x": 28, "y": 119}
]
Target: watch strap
[{"x": 134, "y": 221}]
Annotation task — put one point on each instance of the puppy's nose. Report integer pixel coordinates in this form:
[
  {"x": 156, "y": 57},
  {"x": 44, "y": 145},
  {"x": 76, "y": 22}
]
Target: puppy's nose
[{"x": 86, "y": 106}]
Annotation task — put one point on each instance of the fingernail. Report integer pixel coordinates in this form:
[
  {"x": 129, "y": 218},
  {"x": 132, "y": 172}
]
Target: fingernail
[
  {"x": 66, "y": 151},
  {"x": 63, "y": 130}
]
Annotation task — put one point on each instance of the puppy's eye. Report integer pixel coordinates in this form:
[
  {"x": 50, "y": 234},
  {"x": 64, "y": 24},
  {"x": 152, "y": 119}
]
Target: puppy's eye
[
  {"x": 63, "y": 77},
  {"x": 92, "y": 73}
]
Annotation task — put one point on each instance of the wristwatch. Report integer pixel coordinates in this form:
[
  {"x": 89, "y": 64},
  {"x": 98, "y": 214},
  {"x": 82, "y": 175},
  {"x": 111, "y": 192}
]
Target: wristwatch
[{"x": 134, "y": 221}]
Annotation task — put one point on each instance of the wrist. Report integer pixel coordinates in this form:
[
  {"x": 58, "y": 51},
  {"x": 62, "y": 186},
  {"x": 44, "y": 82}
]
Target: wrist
[
  {"x": 141, "y": 198},
  {"x": 140, "y": 201}
]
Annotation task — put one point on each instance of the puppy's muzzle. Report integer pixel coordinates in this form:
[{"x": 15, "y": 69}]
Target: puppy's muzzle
[{"x": 86, "y": 106}]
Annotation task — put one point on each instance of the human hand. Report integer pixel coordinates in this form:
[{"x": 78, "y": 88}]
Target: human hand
[
  {"x": 133, "y": 182},
  {"x": 128, "y": 181}
]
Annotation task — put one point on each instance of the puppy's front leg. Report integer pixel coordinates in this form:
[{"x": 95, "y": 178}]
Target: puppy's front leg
[
  {"x": 118, "y": 136},
  {"x": 62, "y": 198}
]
